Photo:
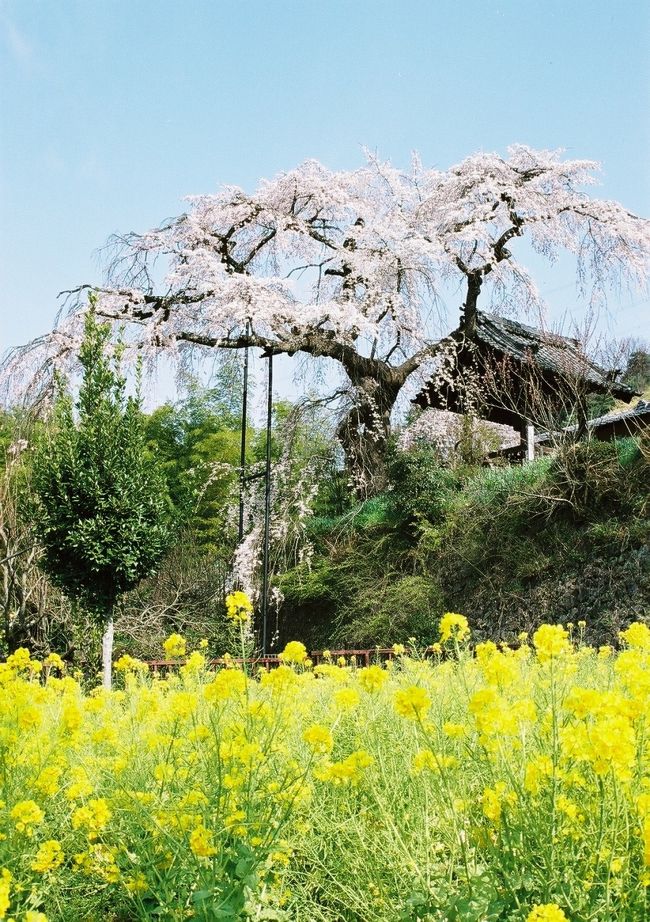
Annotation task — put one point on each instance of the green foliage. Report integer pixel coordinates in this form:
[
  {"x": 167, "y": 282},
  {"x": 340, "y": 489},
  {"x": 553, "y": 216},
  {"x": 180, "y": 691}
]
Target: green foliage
[
  {"x": 421, "y": 485},
  {"x": 393, "y": 609},
  {"x": 493, "y": 486},
  {"x": 186, "y": 595},
  {"x": 101, "y": 509},
  {"x": 360, "y": 588},
  {"x": 637, "y": 372},
  {"x": 198, "y": 441},
  {"x": 482, "y": 541},
  {"x": 198, "y": 444},
  {"x": 7, "y": 430},
  {"x": 594, "y": 475},
  {"x": 628, "y": 451},
  {"x": 599, "y": 405}
]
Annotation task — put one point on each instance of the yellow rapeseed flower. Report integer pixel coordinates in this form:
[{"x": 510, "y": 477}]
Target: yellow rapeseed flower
[
  {"x": 537, "y": 772},
  {"x": 346, "y": 698},
  {"x": 195, "y": 664},
  {"x": 93, "y": 817},
  {"x": 137, "y": 884},
  {"x": 294, "y": 652},
  {"x": 568, "y": 808},
  {"x": 637, "y": 635},
  {"x": 371, "y": 678},
  {"x": 453, "y": 627},
  {"x": 5, "y": 891},
  {"x": 175, "y": 645},
  {"x": 227, "y": 683},
  {"x": 549, "y": 912},
  {"x": 494, "y": 799},
  {"x": 279, "y": 679},
  {"x": 283, "y": 743},
  {"x": 412, "y": 702},
  {"x": 425, "y": 760},
  {"x": 201, "y": 842},
  {"x": 239, "y": 607},
  {"x": 54, "y": 661},
  {"x": 80, "y": 785},
  {"x": 128, "y": 663},
  {"x": 348, "y": 771},
  {"x": 454, "y": 730},
  {"x": 319, "y": 738},
  {"x": 48, "y": 857},
  {"x": 20, "y": 659},
  {"x": 47, "y": 781},
  {"x": 26, "y": 814},
  {"x": 497, "y": 667},
  {"x": 551, "y": 641},
  {"x": 99, "y": 861},
  {"x": 183, "y": 704}
]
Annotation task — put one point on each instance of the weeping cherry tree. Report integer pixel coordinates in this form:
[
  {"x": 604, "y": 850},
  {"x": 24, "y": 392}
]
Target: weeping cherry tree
[{"x": 349, "y": 267}]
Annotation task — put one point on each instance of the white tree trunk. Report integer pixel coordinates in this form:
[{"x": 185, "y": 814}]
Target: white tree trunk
[{"x": 107, "y": 654}]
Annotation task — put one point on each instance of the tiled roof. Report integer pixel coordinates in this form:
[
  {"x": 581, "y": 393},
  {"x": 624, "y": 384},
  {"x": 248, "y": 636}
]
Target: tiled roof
[
  {"x": 639, "y": 414},
  {"x": 640, "y": 411},
  {"x": 558, "y": 354}
]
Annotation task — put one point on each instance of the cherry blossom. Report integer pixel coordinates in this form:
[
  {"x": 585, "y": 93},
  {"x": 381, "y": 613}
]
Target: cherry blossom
[{"x": 349, "y": 266}]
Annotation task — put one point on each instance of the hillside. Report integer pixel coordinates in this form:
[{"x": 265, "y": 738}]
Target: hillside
[{"x": 561, "y": 539}]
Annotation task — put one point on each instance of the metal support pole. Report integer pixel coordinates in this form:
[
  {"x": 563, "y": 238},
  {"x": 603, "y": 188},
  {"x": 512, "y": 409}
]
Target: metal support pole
[
  {"x": 267, "y": 510},
  {"x": 242, "y": 453}
]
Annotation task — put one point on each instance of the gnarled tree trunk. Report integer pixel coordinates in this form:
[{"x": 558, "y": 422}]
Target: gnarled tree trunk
[{"x": 364, "y": 433}]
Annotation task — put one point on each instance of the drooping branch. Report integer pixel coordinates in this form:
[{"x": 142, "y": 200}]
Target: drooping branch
[{"x": 346, "y": 266}]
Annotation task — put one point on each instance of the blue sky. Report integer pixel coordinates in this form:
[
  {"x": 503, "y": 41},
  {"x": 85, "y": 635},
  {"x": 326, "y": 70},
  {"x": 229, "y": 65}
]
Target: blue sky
[{"x": 113, "y": 110}]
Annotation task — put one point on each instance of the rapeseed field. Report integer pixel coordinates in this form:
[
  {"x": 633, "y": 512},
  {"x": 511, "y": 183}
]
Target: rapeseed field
[{"x": 477, "y": 783}]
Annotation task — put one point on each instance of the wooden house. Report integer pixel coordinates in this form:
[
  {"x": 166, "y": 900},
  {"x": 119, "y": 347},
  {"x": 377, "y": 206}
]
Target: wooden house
[{"x": 515, "y": 375}]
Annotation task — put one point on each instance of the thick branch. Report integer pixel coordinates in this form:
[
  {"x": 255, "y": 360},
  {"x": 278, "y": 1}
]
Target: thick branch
[
  {"x": 318, "y": 343},
  {"x": 418, "y": 358}
]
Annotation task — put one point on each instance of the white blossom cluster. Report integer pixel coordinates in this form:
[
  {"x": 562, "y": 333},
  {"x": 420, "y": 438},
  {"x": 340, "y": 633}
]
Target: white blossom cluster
[
  {"x": 294, "y": 485},
  {"x": 349, "y": 263},
  {"x": 444, "y": 431}
]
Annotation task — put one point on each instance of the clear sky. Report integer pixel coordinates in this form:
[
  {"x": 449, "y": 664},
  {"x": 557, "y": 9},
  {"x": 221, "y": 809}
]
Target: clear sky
[{"x": 113, "y": 110}]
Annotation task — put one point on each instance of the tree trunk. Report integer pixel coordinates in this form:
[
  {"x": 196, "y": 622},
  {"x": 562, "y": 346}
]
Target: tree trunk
[
  {"x": 470, "y": 308},
  {"x": 107, "y": 654},
  {"x": 364, "y": 435}
]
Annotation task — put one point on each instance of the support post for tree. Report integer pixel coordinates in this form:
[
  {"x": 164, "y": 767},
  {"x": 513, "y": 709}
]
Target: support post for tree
[
  {"x": 267, "y": 509},
  {"x": 242, "y": 453},
  {"x": 107, "y": 655},
  {"x": 530, "y": 443}
]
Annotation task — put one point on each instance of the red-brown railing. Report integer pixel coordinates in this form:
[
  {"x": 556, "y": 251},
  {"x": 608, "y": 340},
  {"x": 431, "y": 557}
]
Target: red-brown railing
[{"x": 363, "y": 657}]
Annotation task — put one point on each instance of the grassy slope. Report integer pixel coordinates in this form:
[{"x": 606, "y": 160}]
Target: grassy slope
[{"x": 565, "y": 539}]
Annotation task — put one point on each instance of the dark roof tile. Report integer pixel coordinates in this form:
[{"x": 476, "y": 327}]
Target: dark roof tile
[{"x": 561, "y": 355}]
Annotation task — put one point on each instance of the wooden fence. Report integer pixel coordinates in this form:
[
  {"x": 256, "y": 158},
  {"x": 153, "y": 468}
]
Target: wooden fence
[{"x": 271, "y": 660}]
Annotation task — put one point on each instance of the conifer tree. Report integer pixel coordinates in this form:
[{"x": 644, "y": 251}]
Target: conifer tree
[{"x": 101, "y": 509}]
